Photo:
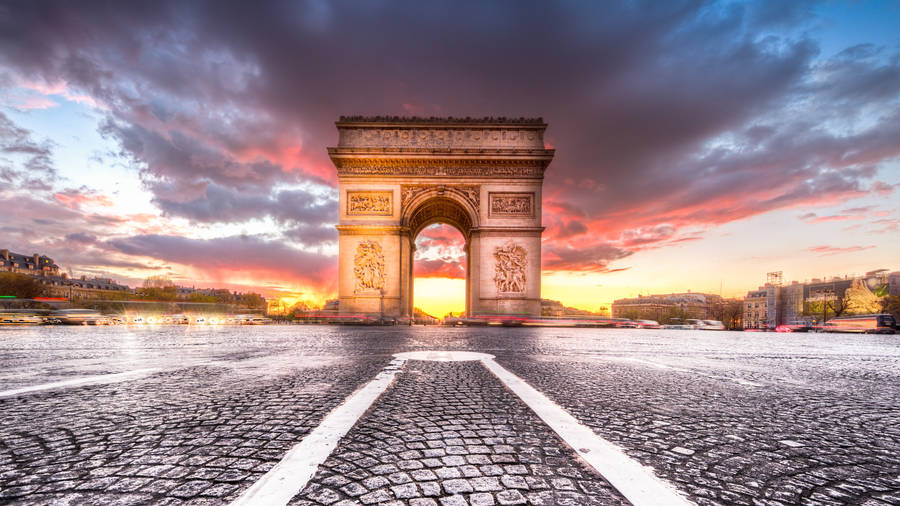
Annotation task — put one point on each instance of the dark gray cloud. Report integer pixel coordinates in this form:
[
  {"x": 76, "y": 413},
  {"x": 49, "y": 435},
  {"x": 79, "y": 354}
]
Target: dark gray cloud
[
  {"x": 223, "y": 204},
  {"x": 250, "y": 255},
  {"x": 684, "y": 112},
  {"x": 24, "y": 162}
]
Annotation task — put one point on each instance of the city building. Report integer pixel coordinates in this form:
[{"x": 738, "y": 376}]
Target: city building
[
  {"x": 34, "y": 265},
  {"x": 816, "y": 300},
  {"x": 894, "y": 283},
  {"x": 57, "y": 283},
  {"x": 665, "y": 306},
  {"x": 756, "y": 315},
  {"x": 84, "y": 288},
  {"x": 555, "y": 308}
]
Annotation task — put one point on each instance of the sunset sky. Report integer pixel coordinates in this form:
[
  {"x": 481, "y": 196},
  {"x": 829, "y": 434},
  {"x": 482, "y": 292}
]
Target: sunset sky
[{"x": 698, "y": 144}]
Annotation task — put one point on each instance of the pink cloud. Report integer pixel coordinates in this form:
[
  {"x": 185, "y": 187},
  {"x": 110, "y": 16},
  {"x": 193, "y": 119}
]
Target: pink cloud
[
  {"x": 833, "y": 250},
  {"x": 74, "y": 199}
]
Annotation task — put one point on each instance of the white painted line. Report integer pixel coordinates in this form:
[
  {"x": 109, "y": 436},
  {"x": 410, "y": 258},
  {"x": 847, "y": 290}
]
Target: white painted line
[
  {"x": 635, "y": 481},
  {"x": 299, "y": 464},
  {"x": 86, "y": 380}
]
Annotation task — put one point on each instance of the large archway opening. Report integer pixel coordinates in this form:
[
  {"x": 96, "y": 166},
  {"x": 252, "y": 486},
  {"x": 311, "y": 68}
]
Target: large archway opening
[
  {"x": 440, "y": 225},
  {"x": 439, "y": 270}
]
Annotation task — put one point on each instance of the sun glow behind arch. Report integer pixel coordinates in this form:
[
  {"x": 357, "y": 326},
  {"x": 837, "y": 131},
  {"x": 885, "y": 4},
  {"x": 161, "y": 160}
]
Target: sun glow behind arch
[{"x": 439, "y": 269}]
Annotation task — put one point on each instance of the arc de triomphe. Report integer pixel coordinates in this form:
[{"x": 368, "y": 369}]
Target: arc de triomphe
[{"x": 396, "y": 176}]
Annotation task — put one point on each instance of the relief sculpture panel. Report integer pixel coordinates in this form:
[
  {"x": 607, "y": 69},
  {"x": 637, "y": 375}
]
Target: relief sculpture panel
[
  {"x": 368, "y": 267},
  {"x": 509, "y": 270},
  {"x": 370, "y": 203},
  {"x": 513, "y": 205}
]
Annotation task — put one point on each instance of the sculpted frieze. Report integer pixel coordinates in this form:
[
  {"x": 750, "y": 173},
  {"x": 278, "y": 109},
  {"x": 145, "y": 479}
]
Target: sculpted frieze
[
  {"x": 368, "y": 267},
  {"x": 444, "y": 138},
  {"x": 509, "y": 269},
  {"x": 366, "y": 203},
  {"x": 513, "y": 205},
  {"x": 434, "y": 167}
]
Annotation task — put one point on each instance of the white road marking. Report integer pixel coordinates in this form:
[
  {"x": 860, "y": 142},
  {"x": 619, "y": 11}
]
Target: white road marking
[
  {"x": 86, "y": 380},
  {"x": 638, "y": 483},
  {"x": 299, "y": 464}
]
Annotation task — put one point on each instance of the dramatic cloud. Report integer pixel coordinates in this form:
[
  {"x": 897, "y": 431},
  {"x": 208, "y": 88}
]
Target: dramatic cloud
[
  {"x": 595, "y": 258},
  {"x": 440, "y": 253},
  {"x": 668, "y": 117},
  {"x": 224, "y": 257},
  {"x": 24, "y": 162}
]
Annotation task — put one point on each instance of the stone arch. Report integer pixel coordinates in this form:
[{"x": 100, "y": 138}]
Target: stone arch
[
  {"x": 483, "y": 177},
  {"x": 440, "y": 209}
]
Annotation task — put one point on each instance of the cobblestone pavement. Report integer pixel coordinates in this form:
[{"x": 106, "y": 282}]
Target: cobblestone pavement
[
  {"x": 729, "y": 418},
  {"x": 731, "y": 443},
  {"x": 451, "y": 434},
  {"x": 201, "y": 434}
]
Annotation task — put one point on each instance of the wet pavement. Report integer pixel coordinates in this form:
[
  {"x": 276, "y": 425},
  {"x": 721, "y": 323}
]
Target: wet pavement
[{"x": 726, "y": 418}]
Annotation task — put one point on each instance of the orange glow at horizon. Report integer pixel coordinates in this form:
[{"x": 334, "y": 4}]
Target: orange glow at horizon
[{"x": 439, "y": 296}]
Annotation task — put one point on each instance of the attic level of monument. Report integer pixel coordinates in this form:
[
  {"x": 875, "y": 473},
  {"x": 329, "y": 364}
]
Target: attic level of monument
[
  {"x": 440, "y": 121},
  {"x": 489, "y": 147}
]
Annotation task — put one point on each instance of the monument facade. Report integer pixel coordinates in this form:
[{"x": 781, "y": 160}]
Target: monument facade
[{"x": 397, "y": 176}]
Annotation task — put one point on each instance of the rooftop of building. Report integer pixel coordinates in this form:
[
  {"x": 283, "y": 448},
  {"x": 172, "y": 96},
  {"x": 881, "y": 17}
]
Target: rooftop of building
[
  {"x": 25, "y": 259},
  {"x": 669, "y": 297}
]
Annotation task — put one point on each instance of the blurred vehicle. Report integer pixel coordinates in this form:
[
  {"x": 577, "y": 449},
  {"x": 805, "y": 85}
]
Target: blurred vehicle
[
  {"x": 794, "y": 327},
  {"x": 20, "y": 319},
  {"x": 710, "y": 325},
  {"x": 861, "y": 324},
  {"x": 647, "y": 324},
  {"x": 80, "y": 317},
  {"x": 623, "y": 323},
  {"x": 679, "y": 324}
]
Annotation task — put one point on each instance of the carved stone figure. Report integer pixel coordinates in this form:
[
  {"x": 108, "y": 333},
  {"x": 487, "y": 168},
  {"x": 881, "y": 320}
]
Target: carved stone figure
[
  {"x": 512, "y": 204},
  {"x": 509, "y": 271},
  {"x": 370, "y": 203},
  {"x": 368, "y": 266}
]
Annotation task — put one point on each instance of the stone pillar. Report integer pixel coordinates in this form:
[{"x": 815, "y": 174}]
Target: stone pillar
[
  {"x": 510, "y": 272},
  {"x": 369, "y": 277}
]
